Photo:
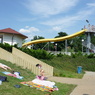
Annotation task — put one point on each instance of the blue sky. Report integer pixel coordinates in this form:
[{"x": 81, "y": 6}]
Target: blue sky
[{"x": 46, "y": 17}]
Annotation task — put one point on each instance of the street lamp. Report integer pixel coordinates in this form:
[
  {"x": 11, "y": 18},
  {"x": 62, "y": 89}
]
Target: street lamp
[
  {"x": 48, "y": 46},
  {"x": 66, "y": 46},
  {"x": 56, "y": 46},
  {"x": 82, "y": 44},
  {"x": 87, "y": 21},
  {"x": 88, "y": 24}
]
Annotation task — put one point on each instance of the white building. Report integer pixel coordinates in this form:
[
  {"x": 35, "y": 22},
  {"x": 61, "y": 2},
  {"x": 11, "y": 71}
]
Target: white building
[{"x": 11, "y": 37}]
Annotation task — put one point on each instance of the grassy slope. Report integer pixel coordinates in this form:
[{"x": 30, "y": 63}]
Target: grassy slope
[
  {"x": 7, "y": 88},
  {"x": 66, "y": 66}
]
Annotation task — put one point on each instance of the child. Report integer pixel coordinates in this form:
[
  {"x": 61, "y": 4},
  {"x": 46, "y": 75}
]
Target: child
[{"x": 41, "y": 71}]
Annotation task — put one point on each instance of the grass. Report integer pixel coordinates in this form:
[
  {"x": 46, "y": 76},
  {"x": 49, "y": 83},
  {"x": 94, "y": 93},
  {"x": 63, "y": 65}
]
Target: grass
[
  {"x": 7, "y": 88},
  {"x": 66, "y": 66}
]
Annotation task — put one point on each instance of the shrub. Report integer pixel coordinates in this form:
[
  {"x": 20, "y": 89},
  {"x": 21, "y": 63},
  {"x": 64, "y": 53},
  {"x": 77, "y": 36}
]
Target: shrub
[
  {"x": 6, "y": 46},
  {"x": 91, "y": 56},
  {"x": 73, "y": 55},
  {"x": 40, "y": 54},
  {"x": 79, "y": 53},
  {"x": 59, "y": 55}
]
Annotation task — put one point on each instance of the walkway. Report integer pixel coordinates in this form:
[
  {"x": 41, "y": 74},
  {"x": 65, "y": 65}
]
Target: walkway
[{"x": 85, "y": 86}]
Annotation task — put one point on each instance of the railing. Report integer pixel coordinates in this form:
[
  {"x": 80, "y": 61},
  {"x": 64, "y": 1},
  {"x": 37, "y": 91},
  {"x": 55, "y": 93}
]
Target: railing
[
  {"x": 90, "y": 28},
  {"x": 25, "y": 61},
  {"x": 89, "y": 46}
]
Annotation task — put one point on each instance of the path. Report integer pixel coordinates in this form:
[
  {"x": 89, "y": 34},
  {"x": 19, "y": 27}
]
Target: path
[{"x": 85, "y": 86}]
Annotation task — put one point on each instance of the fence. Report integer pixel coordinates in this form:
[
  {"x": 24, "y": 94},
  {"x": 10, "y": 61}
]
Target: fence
[{"x": 25, "y": 61}]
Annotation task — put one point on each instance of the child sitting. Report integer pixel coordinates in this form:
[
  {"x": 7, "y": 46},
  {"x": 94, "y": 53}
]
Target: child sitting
[{"x": 41, "y": 77}]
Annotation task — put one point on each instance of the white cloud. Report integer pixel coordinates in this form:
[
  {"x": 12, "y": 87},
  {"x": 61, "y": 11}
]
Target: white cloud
[
  {"x": 49, "y": 7},
  {"x": 26, "y": 26},
  {"x": 91, "y": 4},
  {"x": 30, "y": 36},
  {"x": 30, "y": 32},
  {"x": 28, "y": 29},
  {"x": 24, "y": 31},
  {"x": 57, "y": 28},
  {"x": 69, "y": 20},
  {"x": 33, "y": 29}
]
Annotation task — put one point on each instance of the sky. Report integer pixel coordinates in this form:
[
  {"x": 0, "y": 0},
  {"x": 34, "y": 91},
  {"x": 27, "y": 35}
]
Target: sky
[{"x": 46, "y": 18}]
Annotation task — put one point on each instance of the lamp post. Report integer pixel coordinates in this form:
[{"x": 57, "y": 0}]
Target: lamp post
[
  {"x": 88, "y": 37},
  {"x": 48, "y": 46},
  {"x": 56, "y": 46},
  {"x": 82, "y": 44},
  {"x": 87, "y": 21},
  {"x": 66, "y": 46},
  {"x": 88, "y": 24}
]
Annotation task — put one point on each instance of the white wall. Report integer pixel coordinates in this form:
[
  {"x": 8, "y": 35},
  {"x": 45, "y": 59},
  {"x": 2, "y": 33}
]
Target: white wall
[
  {"x": 0, "y": 40},
  {"x": 7, "y": 38},
  {"x": 17, "y": 39}
]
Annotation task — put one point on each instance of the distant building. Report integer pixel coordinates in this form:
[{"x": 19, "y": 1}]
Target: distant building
[{"x": 11, "y": 37}]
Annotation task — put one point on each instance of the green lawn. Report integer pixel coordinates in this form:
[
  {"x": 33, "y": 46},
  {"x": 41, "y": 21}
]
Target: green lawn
[
  {"x": 66, "y": 66},
  {"x": 7, "y": 88}
]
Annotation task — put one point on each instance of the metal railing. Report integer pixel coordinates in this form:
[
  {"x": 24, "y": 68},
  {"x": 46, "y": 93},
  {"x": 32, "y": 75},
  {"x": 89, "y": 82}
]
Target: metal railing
[{"x": 90, "y": 46}]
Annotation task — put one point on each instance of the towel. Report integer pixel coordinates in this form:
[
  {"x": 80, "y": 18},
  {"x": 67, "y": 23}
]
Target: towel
[{"x": 13, "y": 75}]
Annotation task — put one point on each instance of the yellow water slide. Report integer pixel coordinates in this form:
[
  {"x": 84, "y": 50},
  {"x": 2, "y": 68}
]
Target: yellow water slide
[{"x": 54, "y": 39}]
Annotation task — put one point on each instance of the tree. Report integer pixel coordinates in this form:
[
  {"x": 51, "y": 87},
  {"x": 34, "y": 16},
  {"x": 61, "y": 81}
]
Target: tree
[
  {"x": 76, "y": 42},
  {"x": 60, "y": 44},
  {"x": 93, "y": 39},
  {"x": 39, "y": 45}
]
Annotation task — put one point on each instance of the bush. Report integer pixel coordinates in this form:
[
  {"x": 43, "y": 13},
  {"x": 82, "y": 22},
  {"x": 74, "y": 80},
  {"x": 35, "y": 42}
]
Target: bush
[
  {"x": 6, "y": 46},
  {"x": 42, "y": 54},
  {"x": 59, "y": 55},
  {"x": 91, "y": 56},
  {"x": 79, "y": 53},
  {"x": 39, "y": 54},
  {"x": 73, "y": 55}
]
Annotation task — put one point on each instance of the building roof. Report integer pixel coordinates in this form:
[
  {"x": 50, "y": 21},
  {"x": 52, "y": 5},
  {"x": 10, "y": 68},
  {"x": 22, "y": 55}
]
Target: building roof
[{"x": 11, "y": 31}]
